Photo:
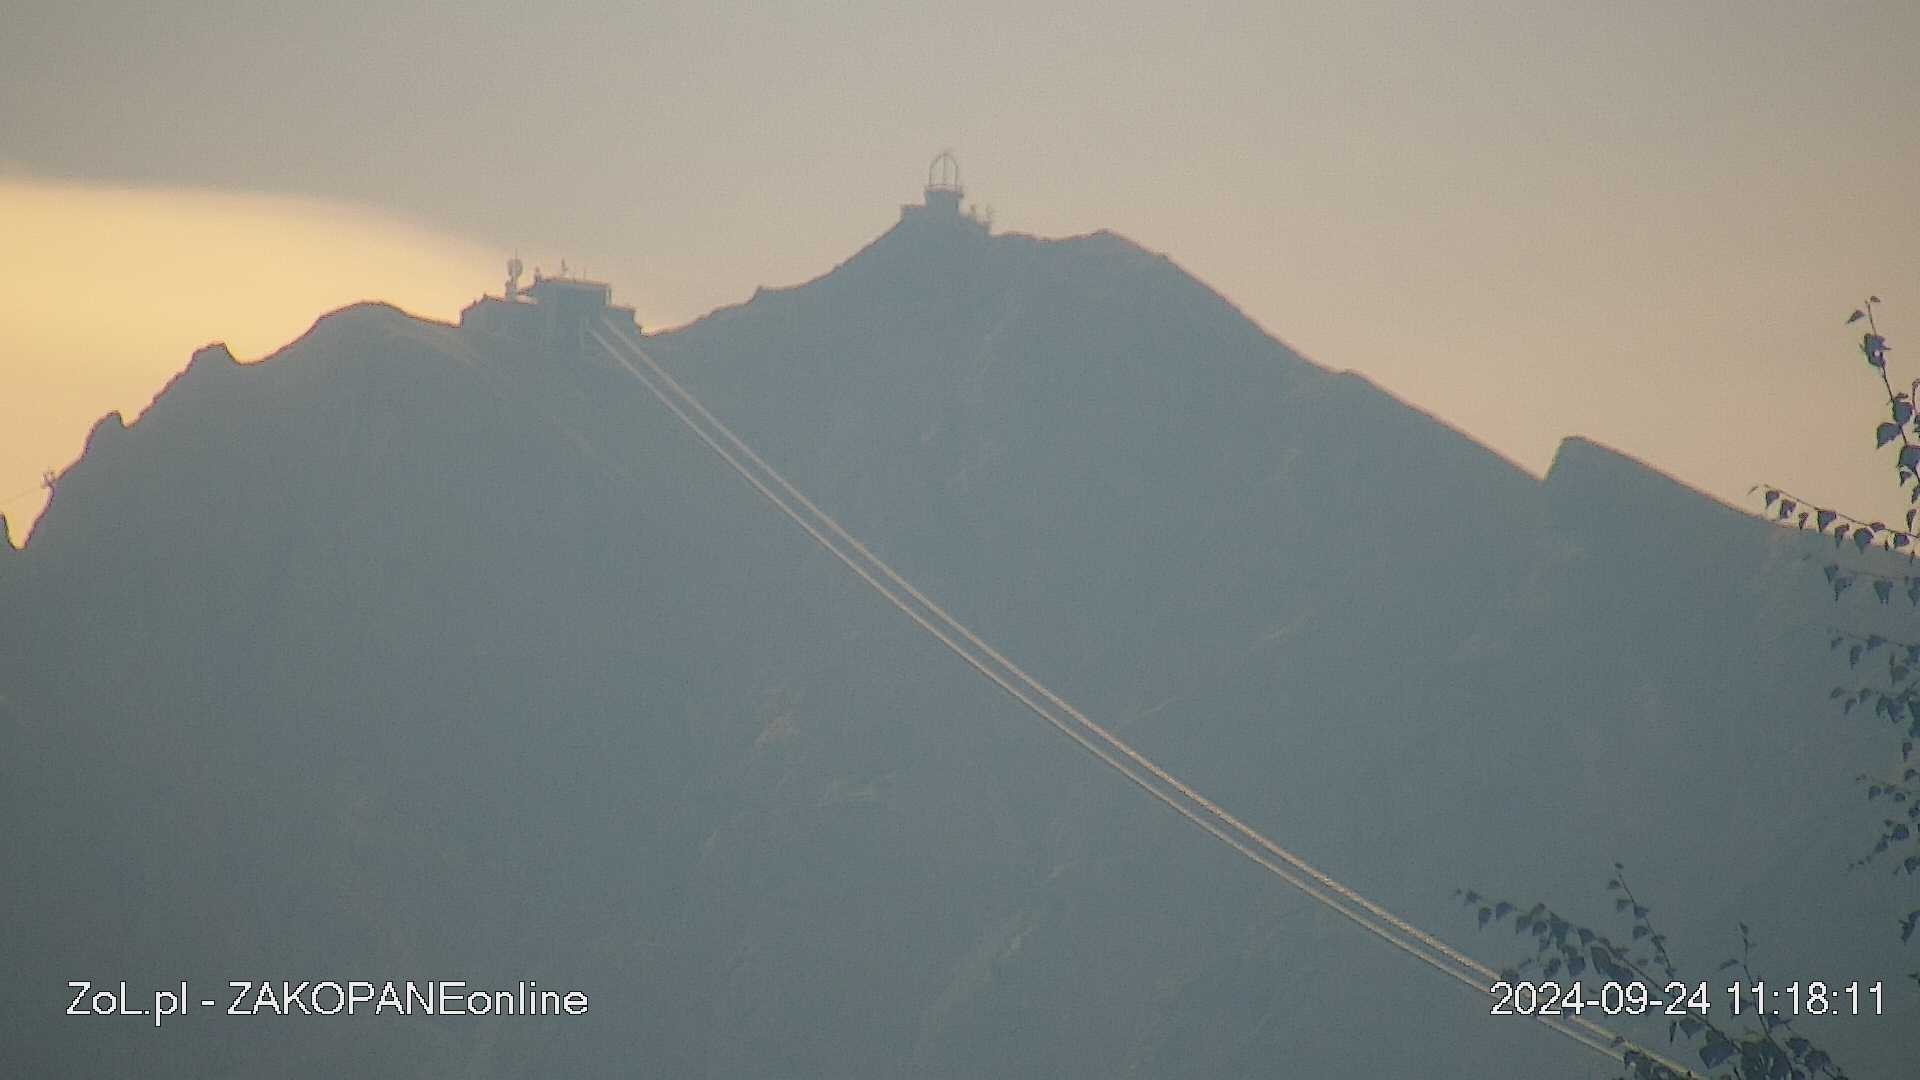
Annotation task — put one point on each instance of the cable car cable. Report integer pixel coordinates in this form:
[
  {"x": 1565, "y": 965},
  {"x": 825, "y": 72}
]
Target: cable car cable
[{"x": 1291, "y": 868}]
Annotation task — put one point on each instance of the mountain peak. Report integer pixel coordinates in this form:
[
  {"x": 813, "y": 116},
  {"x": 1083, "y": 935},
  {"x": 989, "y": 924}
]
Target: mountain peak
[
  {"x": 105, "y": 430},
  {"x": 403, "y": 595},
  {"x": 1590, "y": 481},
  {"x": 1580, "y": 461},
  {"x": 214, "y": 355}
]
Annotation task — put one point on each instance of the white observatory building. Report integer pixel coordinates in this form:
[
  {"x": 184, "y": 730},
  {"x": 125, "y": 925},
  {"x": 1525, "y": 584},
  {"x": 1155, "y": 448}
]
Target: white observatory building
[{"x": 942, "y": 199}]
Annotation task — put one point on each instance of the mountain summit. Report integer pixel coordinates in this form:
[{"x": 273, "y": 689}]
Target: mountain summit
[{"x": 415, "y": 652}]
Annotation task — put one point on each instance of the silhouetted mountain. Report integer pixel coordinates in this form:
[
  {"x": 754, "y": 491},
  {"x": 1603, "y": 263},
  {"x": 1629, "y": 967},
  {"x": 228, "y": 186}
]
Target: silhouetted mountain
[{"x": 417, "y": 653}]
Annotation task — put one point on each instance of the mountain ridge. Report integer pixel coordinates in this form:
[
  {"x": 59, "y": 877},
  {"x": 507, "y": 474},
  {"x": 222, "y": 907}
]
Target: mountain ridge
[{"x": 402, "y": 614}]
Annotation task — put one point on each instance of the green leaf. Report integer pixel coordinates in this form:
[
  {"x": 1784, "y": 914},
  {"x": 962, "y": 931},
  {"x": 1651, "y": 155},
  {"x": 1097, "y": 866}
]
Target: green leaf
[
  {"x": 1885, "y": 434},
  {"x": 1874, "y": 348}
]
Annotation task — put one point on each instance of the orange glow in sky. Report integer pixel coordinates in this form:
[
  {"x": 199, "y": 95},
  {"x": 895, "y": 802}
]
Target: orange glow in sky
[{"x": 110, "y": 290}]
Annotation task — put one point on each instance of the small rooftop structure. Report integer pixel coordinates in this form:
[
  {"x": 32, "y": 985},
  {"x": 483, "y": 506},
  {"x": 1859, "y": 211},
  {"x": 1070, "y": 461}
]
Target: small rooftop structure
[
  {"x": 941, "y": 203},
  {"x": 553, "y": 311},
  {"x": 943, "y": 184}
]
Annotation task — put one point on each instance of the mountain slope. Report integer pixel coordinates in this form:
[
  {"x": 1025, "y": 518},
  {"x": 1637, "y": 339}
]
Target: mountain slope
[{"x": 410, "y": 653}]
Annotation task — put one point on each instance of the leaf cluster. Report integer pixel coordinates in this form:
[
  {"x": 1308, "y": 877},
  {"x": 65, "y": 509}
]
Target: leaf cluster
[
  {"x": 1902, "y": 427},
  {"x": 1767, "y": 1048},
  {"x": 1897, "y": 697}
]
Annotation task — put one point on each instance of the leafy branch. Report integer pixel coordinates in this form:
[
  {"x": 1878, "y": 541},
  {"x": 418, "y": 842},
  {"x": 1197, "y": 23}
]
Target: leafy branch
[{"x": 1770, "y": 1048}]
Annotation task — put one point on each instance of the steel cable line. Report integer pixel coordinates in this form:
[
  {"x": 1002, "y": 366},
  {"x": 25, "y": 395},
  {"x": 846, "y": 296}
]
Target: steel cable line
[
  {"x": 1100, "y": 731},
  {"x": 1588, "y": 1033},
  {"x": 1017, "y": 693},
  {"x": 22, "y": 493},
  {"x": 1291, "y": 868}
]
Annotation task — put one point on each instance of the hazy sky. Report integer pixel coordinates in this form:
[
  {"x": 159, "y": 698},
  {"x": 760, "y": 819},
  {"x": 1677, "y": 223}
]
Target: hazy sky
[{"x": 1642, "y": 222}]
